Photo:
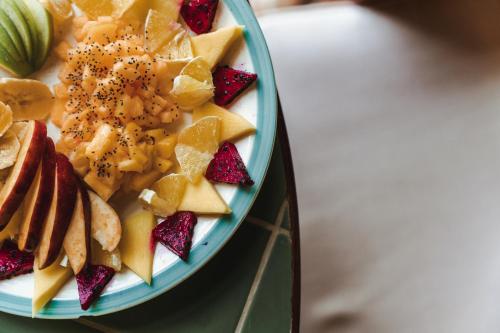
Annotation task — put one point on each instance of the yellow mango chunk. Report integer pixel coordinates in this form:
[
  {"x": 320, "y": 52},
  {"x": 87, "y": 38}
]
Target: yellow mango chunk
[
  {"x": 203, "y": 198},
  {"x": 48, "y": 282},
  {"x": 135, "y": 244},
  {"x": 233, "y": 126},
  {"x": 214, "y": 45}
]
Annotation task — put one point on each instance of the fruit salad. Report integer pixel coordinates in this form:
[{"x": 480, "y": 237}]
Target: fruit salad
[{"x": 142, "y": 107}]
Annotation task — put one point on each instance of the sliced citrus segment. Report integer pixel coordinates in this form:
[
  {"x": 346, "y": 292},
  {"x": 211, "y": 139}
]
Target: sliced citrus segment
[
  {"x": 202, "y": 135},
  {"x": 95, "y": 8},
  {"x": 193, "y": 163},
  {"x": 190, "y": 93},
  {"x": 198, "y": 69},
  {"x": 159, "y": 30}
]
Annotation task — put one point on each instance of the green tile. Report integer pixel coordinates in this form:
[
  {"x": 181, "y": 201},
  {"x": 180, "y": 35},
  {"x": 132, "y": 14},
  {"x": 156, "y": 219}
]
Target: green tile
[
  {"x": 273, "y": 191},
  {"x": 272, "y": 307},
  {"x": 210, "y": 301},
  {"x": 15, "y": 324}
]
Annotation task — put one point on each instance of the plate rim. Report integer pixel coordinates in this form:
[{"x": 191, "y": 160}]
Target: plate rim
[{"x": 225, "y": 227}]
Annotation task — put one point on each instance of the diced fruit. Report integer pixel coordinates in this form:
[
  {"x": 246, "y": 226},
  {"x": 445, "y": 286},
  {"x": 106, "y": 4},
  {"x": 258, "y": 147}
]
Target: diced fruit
[
  {"x": 159, "y": 30},
  {"x": 28, "y": 99},
  {"x": 12, "y": 229},
  {"x": 41, "y": 20},
  {"x": 14, "y": 262},
  {"x": 60, "y": 212},
  {"x": 15, "y": 15},
  {"x": 190, "y": 93},
  {"x": 23, "y": 171},
  {"x": 77, "y": 241},
  {"x": 105, "y": 225},
  {"x": 144, "y": 180},
  {"x": 232, "y": 126},
  {"x": 95, "y": 183},
  {"x": 228, "y": 167},
  {"x": 135, "y": 244},
  {"x": 48, "y": 282},
  {"x": 193, "y": 163},
  {"x": 95, "y": 8},
  {"x": 6, "y": 118},
  {"x": 203, "y": 198},
  {"x": 38, "y": 199},
  {"x": 13, "y": 31},
  {"x": 214, "y": 45},
  {"x": 230, "y": 83},
  {"x": 100, "y": 257},
  {"x": 165, "y": 147},
  {"x": 91, "y": 282},
  {"x": 176, "y": 233},
  {"x": 104, "y": 139},
  {"x": 162, "y": 164},
  {"x": 198, "y": 69},
  {"x": 9, "y": 149},
  {"x": 203, "y": 135},
  {"x": 199, "y": 14}
]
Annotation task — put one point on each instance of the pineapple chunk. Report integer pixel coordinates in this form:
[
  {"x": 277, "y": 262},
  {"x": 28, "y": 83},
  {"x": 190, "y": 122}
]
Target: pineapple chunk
[
  {"x": 203, "y": 135},
  {"x": 203, "y": 198},
  {"x": 193, "y": 163},
  {"x": 135, "y": 246},
  {"x": 214, "y": 45},
  {"x": 165, "y": 147},
  {"x": 130, "y": 165},
  {"x": 138, "y": 182},
  {"x": 104, "y": 138},
  {"x": 48, "y": 282},
  {"x": 233, "y": 126},
  {"x": 162, "y": 164},
  {"x": 102, "y": 189}
]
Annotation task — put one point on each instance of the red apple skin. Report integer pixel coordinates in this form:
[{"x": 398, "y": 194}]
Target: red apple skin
[
  {"x": 31, "y": 229},
  {"x": 66, "y": 187},
  {"x": 87, "y": 213},
  {"x": 10, "y": 202}
]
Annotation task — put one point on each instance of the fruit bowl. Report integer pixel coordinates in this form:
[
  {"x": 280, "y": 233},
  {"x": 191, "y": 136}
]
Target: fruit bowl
[{"x": 259, "y": 107}]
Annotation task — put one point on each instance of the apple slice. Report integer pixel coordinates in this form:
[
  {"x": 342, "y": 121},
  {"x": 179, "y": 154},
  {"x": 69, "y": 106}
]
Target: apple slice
[
  {"x": 37, "y": 202},
  {"x": 23, "y": 171},
  {"x": 77, "y": 241},
  {"x": 60, "y": 212},
  {"x": 106, "y": 227}
]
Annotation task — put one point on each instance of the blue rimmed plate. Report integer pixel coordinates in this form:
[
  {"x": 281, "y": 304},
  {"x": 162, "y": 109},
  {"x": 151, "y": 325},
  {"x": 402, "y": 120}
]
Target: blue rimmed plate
[{"x": 259, "y": 106}]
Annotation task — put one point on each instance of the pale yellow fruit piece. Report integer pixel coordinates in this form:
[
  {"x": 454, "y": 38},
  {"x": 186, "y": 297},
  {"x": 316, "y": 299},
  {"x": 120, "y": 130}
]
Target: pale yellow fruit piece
[
  {"x": 214, "y": 45},
  {"x": 178, "y": 48},
  {"x": 79, "y": 160},
  {"x": 28, "y": 99},
  {"x": 162, "y": 164},
  {"x": 158, "y": 30},
  {"x": 103, "y": 190},
  {"x": 138, "y": 182},
  {"x": 19, "y": 129},
  {"x": 168, "y": 8},
  {"x": 193, "y": 163},
  {"x": 203, "y": 198},
  {"x": 9, "y": 148},
  {"x": 12, "y": 229},
  {"x": 171, "y": 189},
  {"x": 6, "y": 118},
  {"x": 60, "y": 10},
  {"x": 190, "y": 93},
  {"x": 102, "y": 257},
  {"x": 95, "y": 8},
  {"x": 198, "y": 69},
  {"x": 120, "y": 7},
  {"x": 151, "y": 200},
  {"x": 165, "y": 147},
  {"x": 135, "y": 244},
  {"x": 104, "y": 139},
  {"x": 203, "y": 135},
  {"x": 48, "y": 282},
  {"x": 233, "y": 126}
]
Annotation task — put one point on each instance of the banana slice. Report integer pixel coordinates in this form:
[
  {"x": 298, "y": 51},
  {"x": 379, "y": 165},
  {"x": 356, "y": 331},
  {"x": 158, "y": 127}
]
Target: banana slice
[
  {"x": 9, "y": 148},
  {"x": 28, "y": 99},
  {"x": 5, "y": 118}
]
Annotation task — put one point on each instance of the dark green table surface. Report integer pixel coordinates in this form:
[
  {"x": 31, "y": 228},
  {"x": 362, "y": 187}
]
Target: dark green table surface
[{"x": 251, "y": 285}]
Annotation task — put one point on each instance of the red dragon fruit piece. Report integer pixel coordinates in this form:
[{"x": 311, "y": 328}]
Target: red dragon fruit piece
[
  {"x": 199, "y": 14},
  {"x": 230, "y": 83},
  {"x": 176, "y": 233},
  {"x": 228, "y": 167},
  {"x": 14, "y": 262},
  {"x": 91, "y": 282}
]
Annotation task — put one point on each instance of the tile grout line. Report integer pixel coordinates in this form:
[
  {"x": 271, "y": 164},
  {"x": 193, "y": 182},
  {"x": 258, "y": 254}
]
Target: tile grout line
[
  {"x": 96, "y": 326},
  {"x": 262, "y": 266},
  {"x": 266, "y": 225}
]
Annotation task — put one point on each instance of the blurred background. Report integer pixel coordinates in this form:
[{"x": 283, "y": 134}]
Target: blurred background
[{"x": 393, "y": 113}]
